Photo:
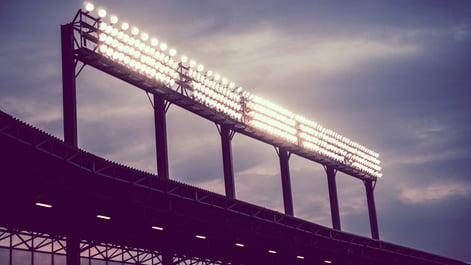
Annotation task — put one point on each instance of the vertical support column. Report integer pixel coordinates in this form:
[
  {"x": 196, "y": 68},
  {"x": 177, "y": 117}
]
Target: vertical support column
[
  {"x": 285, "y": 181},
  {"x": 371, "y": 208},
  {"x": 68, "y": 85},
  {"x": 73, "y": 250},
  {"x": 161, "y": 136},
  {"x": 334, "y": 202},
  {"x": 226, "y": 137}
]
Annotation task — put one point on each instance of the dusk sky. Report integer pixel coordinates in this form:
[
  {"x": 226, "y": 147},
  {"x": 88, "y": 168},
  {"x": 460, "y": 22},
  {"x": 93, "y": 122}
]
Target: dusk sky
[{"x": 391, "y": 75}]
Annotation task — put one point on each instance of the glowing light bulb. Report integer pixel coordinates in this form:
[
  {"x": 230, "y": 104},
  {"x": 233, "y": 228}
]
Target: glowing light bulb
[
  {"x": 184, "y": 59},
  {"x": 192, "y": 63},
  {"x": 217, "y": 76},
  {"x": 134, "y": 31},
  {"x": 114, "y": 19},
  {"x": 144, "y": 36},
  {"x": 102, "y": 13},
  {"x": 154, "y": 42},
  {"x": 200, "y": 67},
  {"x": 163, "y": 46},
  {"x": 172, "y": 52},
  {"x": 124, "y": 26},
  {"x": 89, "y": 7}
]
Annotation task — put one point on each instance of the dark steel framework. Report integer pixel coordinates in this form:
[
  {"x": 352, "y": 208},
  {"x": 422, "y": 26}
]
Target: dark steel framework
[{"x": 79, "y": 185}]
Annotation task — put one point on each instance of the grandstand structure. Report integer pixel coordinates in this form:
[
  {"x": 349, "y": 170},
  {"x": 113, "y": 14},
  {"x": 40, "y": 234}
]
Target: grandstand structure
[{"x": 62, "y": 205}]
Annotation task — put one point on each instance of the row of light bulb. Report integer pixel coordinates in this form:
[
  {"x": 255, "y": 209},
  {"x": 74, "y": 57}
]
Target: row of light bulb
[
  {"x": 369, "y": 160},
  {"x": 153, "y": 66},
  {"x": 218, "y": 93},
  {"x": 319, "y": 139},
  {"x": 335, "y": 135},
  {"x": 217, "y": 101},
  {"x": 273, "y": 131},
  {"x": 284, "y": 115},
  {"x": 313, "y": 143},
  {"x": 141, "y": 39},
  {"x": 220, "y": 87}
]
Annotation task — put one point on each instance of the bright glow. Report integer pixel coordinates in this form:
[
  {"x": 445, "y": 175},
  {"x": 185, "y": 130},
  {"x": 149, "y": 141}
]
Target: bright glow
[
  {"x": 41, "y": 204},
  {"x": 327, "y": 261},
  {"x": 240, "y": 245},
  {"x": 163, "y": 46},
  {"x": 219, "y": 94},
  {"x": 200, "y": 236},
  {"x": 89, "y": 7},
  {"x": 104, "y": 217},
  {"x": 272, "y": 251},
  {"x": 102, "y": 13},
  {"x": 124, "y": 26},
  {"x": 300, "y": 257},
  {"x": 158, "y": 228},
  {"x": 114, "y": 19}
]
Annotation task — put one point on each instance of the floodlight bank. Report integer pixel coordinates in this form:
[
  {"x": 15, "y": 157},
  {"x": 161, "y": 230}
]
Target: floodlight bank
[{"x": 156, "y": 60}]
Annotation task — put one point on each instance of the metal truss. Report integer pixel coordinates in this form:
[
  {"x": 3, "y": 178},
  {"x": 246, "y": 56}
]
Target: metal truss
[{"x": 32, "y": 242}]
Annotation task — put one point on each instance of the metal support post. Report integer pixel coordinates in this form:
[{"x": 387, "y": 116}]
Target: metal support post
[
  {"x": 161, "y": 136},
  {"x": 334, "y": 202},
  {"x": 72, "y": 250},
  {"x": 285, "y": 181},
  {"x": 68, "y": 85},
  {"x": 371, "y": 208},
  {"x": 226, "y": 137}
]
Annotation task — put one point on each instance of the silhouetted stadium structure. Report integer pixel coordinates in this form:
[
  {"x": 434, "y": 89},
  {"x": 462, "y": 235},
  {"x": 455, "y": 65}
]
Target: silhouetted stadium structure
[{"x": 62, "y": 205}]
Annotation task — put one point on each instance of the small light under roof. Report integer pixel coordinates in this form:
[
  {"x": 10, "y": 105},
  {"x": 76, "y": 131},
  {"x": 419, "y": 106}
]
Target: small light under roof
[
  {"x": 240, "y": 245},
  {"x": 272, "y": 251},
  {"x": 45, "y": 205},
  {"x": 200, "y": 236},
  {"x": 158, "y": 228},
  {"x": 103, "y": 217}
]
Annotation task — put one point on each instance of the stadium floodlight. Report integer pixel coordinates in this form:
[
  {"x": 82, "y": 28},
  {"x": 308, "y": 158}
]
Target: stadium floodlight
[
  {"x": 102, "y": 13},
  {"x": 124, "y": 26},
  {"x": 135, "y": 31},
  {"x": 89, "y": 7},
  {"x": 257, "y": 116},
  {"x": 113, "y": 19}
]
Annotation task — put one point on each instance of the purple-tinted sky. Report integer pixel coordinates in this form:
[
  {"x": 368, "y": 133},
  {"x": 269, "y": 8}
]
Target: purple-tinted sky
[{"x": 392, "y": 75}]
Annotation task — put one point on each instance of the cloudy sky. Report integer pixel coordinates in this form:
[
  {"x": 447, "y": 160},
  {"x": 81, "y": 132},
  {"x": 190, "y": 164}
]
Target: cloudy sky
[{"x": 392, "y": 75}]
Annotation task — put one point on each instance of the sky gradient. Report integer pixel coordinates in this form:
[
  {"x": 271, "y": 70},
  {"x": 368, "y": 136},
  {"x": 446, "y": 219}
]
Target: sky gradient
[{"x": 392, "y": 75}]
